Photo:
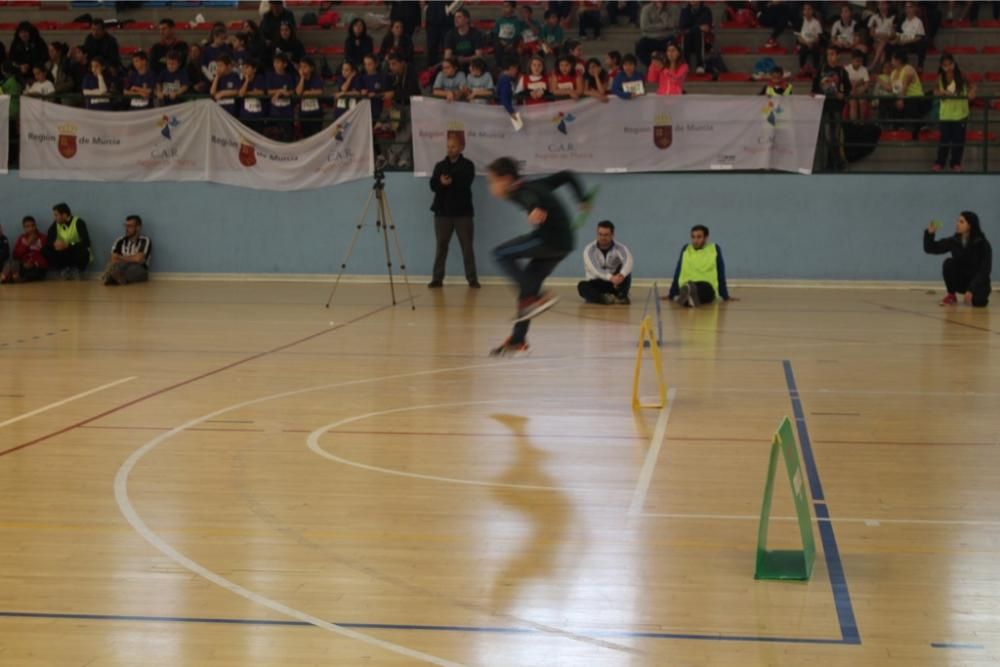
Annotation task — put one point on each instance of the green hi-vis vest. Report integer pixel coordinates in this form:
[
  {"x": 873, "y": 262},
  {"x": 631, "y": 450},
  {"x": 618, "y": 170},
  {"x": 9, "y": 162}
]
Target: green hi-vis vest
[
  {"x": 69, "y": 235},
  {"x": 700, "y": 266},
  {"x": 953, "y": 108},
  {"x": 772, "y": 92}
]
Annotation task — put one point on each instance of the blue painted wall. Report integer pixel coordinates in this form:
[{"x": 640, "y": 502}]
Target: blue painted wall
[{"x": 771, "y": 226}]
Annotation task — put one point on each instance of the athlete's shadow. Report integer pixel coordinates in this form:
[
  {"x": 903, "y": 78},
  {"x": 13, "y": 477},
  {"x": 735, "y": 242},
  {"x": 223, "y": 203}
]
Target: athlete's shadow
[{"x": 547, "y": 512}]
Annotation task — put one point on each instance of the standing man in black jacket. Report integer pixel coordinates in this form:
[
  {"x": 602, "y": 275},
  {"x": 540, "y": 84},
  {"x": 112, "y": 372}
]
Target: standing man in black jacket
[
  {"x": 968, "y": 269},
  {"x": 452, "y": 187}
]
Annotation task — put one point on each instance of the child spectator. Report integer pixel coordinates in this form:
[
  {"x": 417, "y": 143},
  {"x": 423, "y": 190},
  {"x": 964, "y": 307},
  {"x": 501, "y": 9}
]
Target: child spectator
[
  {"x": 589, "y": 18},
  {"x": 10, "y": 86},
  {"x": 908, "y": 91},
  {"x": 240, "y": 54},
  {"x": 95, "y": 87},
  {"x": 833, "y": 82},
  {"x": 912, "y": 35},
  {"x": 217, "y": 46},
  {"x": 777, "y": 84},
  {"x": 290, "y": 45},
  {"x": 358, "y": 44},
  {"x": 196, "y": 78},
  {"x": 809, "y": 41},
  {"x": 347, "y": 89},
  {"x": 613, "y": 64},
  {"x": 309, "y": 90},
  {"x": 627, "y": 83},
  {"x": 281, "y": 82},
  {"x": 41, "y": 86},
  {"x": 565, "y": 82},
  {"x": 506, "y": 30},
  {"x": 373, "y": 86},
  {"x": 28, "y": 263},
  {"x": 226, "y": 84},
  {"x": 140, "y": 85},
  {"x": 843, "y": 34},
  {"x": 173, "y": 82},
  {"x": 530, "y": 30},
  {"x": 574, "y": 48},
  {"x": 857, "y": 74},
  {"x": 450, "y": 82},
  {"x": 507, "y": 84},
  {"x": 534, "y": 85},
  {"x": 252, "y": 93},
  {"x": 595, "y": 81},
  {"x": 479, "y": 86},
  {"x": 882, "y": 28},
  {"x": 59, "y": 68},
  {"x": 552, "y": 34},
  {"x": 954, "y": 93},
  {"x": 668, "y": 76},
  {"x": 398, "y": 42}
]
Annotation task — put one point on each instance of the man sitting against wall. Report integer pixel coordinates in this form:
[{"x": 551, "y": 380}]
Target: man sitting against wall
[
  {"x": 700, "y": 275},
  {"x": 68, "y": 246},
  {"x": 129, "y": 261},
  {"x": 608, "y": 266}
]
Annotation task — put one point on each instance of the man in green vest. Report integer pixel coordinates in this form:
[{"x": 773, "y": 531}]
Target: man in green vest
[
  {"x": 700, "y": 274},
  {"x": 68, "y": 246}
]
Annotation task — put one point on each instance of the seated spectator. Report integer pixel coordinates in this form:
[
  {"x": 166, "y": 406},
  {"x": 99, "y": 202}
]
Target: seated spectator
[
  {"x": 168, "y": 44},
  {"x": 777, "y": 84},
  {"x": 479, "y": 86},
  {"x": 253, "y": 94},
  {"x": 809, "y": 41},
  {"x": 656, "y": 27},
  {"x": 670, "y": 76},
  {"x": 397, "y": 41},
  {"x": 531, "y": 33},
  {"x": 27, "y": 50},
  {"x": 173, "y": 82},
  {"x": 101, "y": 44},
  {"x": 140, "y": 85},
  {"x": 404, "y": 79},
  {"x": 408, "y": 15},
  {"x": 464, "y": 42},
  {"x": 912, "y": 35},
  {"x": 450, "y": 84},
  {"x": 608, "y": 267},
  {"x": 613, "y": 64},
  {"x": 564, "y": 10},
  {"x": 882, "y": 28},
  {"x": 95, "y": 87},
  {"x": 358, "y": 43},
  {"x": 627, "y": 83},
  {"x": 226, "y": 85},
  {"x": 217, "y": 46},
  {"x": 28, "y": 263},
  {"x": 589, "y": 18},
  {"x": 196, "y": 77},
  {"x": 696, "y": 28},
  {"x": 281, "y": 82},
  {"x": 68, "y": 245},
  {"x": 533, "y": 88},
  {"x": 552, "y": 35},
  {"x": 129, "y": 262},
  {"x": 700, "y": 274},
  {"x": 857, "y": 74},
  {"x": 627, "y": 8},
  {"x": 506, "y": 30},
  {"x": 59, "y": 69},
  {"x": 968, "y": 269},
  {"x": 290, "y": 45},
  {"x": 595, "y": 81},
  {"x": 41, "y": 86},
  {"x": 844, "y": 34},
  {"x": 565, "y": 82},
  {"x": 270, "y": 23},
  {"x": 309, "y": 90},
  {"x": 347, "y": 89},
  {"x": 374, "y": 86},
  {"x": 776, "y": 16},
  {"x": 954, "y": 93},
  {"x": 908, "y": 107}
]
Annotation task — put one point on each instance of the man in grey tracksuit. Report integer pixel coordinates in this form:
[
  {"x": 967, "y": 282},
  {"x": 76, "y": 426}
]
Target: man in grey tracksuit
[{"x": 608, "y": 265}]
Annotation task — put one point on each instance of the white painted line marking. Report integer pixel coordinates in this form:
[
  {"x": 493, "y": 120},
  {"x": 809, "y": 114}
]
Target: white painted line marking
[
  {"x": 646, "y": 474},
  {"x": 64, "y": 401}
]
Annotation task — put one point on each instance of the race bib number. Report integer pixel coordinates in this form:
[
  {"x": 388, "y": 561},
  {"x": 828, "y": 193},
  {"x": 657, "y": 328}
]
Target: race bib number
[{"x": 310, "y": 104}]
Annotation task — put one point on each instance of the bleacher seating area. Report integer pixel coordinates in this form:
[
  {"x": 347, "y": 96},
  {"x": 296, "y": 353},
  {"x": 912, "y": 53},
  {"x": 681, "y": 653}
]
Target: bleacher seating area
[{"x": 975, "y": 44}]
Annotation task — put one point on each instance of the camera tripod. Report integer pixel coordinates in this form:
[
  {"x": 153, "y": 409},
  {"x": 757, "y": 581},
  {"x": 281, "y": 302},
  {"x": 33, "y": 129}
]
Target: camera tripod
[{"x": 384, "y": 225}]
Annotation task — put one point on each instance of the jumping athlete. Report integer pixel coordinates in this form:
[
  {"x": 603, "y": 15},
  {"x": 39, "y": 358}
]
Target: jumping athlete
[{"x": 544, "y": 248}]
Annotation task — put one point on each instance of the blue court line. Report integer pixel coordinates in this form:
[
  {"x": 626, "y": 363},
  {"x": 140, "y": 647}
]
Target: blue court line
[
  {"x": 977, "y": 647},
  {"x": 623, "y": 634},
  {"x": 834, "y": 566}
]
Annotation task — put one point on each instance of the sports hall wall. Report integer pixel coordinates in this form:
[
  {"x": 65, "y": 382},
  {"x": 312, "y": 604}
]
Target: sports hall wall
[{"x": 850, "y": 227}]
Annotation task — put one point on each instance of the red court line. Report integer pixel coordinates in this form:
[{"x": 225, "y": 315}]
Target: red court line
[{"x": 183, "y": 383}]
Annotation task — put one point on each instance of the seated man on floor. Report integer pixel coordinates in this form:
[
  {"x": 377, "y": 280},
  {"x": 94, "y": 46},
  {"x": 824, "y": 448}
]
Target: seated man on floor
[
  {"x": 129, "y": 261},
  {"x": 700, "y": 275},
  {"x": 68, "y": 247},
  {"x": 608, "y": 266},
  {"x": 27, "y": 264}
]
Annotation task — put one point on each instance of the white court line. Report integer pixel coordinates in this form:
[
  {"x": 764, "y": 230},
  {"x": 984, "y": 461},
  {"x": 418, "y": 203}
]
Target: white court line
[
  {"x": 646, "y": 474},
  {"x": 868, "y": 522},
  {"x": 133, "y": 518},
  {"x": 64, "y": 401}
]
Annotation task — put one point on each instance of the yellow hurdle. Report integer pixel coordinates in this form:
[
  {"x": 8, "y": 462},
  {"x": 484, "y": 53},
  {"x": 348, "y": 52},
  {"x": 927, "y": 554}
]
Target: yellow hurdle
[{"x": 646, "y": 333}]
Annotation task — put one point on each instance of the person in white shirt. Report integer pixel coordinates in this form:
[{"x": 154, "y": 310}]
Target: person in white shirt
[
  {"x": 608, "y": 266},
  {"x": 843, "y": 34},
  {"x": 40, "y": 86},
  {"x": 912, "y": 35},
  {"x": 860, "y": 87},
  {"x": 809, "y": 39},
  {"x": 129, "y": 262},
  {"x": 882, "y": 28}
]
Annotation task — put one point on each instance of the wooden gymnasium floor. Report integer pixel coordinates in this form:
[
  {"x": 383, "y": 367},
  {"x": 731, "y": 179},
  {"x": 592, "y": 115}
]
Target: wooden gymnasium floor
[{"x": 227, "y": 479}]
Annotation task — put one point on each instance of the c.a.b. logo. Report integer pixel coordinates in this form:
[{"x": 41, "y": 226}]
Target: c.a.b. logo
[
  {"x": 663, "y": 131},
  {"x": 772, "y": 111},
  {"x": 562, "y": 121},
  {"x": 67, "y": 140},
  {"x": 340, "y": 130},
  {"x": 167, "y": 124}
]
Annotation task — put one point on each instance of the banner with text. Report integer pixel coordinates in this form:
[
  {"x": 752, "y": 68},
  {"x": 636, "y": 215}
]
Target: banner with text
[
  {"x": 650, "y": 133},
  {"x": 194, "y": 141},
  {"x": 4, "y": 132}
]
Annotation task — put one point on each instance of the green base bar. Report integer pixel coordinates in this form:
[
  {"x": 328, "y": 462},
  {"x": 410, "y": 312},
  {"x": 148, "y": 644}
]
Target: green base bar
[{"x": 783, "y": 565}]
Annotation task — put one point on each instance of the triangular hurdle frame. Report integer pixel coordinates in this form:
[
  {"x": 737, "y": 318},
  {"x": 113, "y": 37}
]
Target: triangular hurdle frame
[
  {"x": 654, "y": 295},
  {"x": 786, "y": 565},
  {"x": 648, "y": 339}
]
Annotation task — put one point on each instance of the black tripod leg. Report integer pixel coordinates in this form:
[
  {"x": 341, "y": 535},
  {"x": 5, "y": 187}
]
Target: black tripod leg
[
  {"x": 381, "y": 222},
  {"x": 399, "y": 253},
  {"x": 350, "y": 248}
]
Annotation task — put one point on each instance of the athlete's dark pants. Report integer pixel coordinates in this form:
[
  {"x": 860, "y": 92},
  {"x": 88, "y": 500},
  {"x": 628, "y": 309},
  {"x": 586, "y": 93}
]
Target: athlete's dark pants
[
  {"x": 529, "y": 276},
  {"x": 958, "y": 282}
]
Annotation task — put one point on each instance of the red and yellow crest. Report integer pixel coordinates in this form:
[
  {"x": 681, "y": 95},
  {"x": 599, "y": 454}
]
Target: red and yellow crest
[
  {"x": 663, "y": 131},
  {"x": 248, "y": 153},
  {"x": 456, "y": 130},
  {"x": 67, "y": 140}
]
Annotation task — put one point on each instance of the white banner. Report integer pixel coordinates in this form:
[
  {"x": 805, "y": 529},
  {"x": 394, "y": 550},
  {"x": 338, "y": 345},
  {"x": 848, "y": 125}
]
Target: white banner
[
  {"x": 194, "y": 141},
  {"x": 650, "y": 133},
  {"x": 4, "y": 132}
]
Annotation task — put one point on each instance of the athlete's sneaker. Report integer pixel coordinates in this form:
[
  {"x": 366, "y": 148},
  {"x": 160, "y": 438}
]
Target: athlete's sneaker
[
  {"x": 533, "y": 306},
  {"x": 949, "y": 300},
  {"x": 684, "y": 295},
  {"x": 508, "y": 349},
  {"x": 608, "y": 299},
  {"x": 623, "y": 300}
]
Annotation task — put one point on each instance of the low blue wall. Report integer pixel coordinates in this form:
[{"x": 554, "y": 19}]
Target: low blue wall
[{"x": 771, "y": 226}]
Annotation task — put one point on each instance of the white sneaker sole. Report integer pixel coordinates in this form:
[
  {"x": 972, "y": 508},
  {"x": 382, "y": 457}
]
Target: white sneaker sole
[{"x": 537, "y": 310}]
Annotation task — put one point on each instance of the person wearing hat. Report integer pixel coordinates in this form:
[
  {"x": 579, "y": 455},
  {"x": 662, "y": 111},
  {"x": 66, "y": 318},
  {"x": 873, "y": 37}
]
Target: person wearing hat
[{"x": 968, "y": 269}]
